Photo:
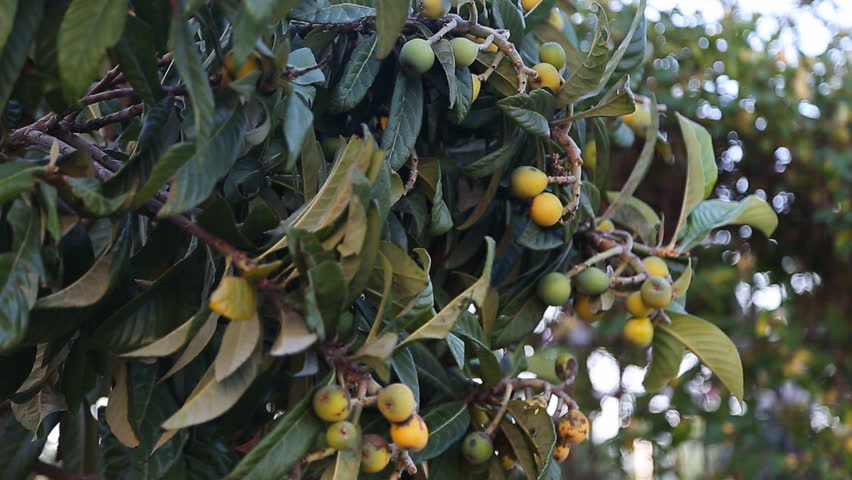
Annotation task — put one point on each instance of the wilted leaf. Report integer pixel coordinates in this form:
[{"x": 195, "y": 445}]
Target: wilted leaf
[
  {"x": 238, "y": 343},
  {"x": 293, "y": 335},
  {"x": 235, "y": 298},
  {"x": 118, "y": 409}
]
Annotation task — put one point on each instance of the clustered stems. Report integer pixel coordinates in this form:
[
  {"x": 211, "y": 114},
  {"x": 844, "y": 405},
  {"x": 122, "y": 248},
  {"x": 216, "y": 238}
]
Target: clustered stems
[
  {"x": 504, "y": 405},
  {"x": 575, "y": 161},
  {"x": 484, "y": 76},
  {"x": 404, "y": 463}
]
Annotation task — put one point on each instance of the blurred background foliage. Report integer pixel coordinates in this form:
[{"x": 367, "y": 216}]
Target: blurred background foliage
[{"x": 781, "y": 126}]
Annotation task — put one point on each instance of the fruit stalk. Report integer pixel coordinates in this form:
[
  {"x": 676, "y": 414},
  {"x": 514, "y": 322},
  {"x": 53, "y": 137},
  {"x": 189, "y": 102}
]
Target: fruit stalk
[{"x": 504, "y": 406}]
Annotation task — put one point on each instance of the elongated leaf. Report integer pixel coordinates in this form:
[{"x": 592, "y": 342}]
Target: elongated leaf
[
  {"x": 585, "y": 81},
  {"x": 211, "y": 398},
  {"x": 711, "y": 214},
  {"x": 238, "y": 343},
  {"x": 508, "y": 15},
  {"x": 118, "y": 409},
  {"x": 390, "y": 18},
  {"x": 539, "y": 429},
  {"x": 505, "y": 77},
  {"x": 444, "y": 55},
  {"x": 9, "y": 8},
  {"x": 447, "y": 423},
  {"x": 681, "y": 285},
  {"x": 358, "y": 76},
  {"x": 17, "y": 43},
  {"x": 636, "y": 41},
  {"x": 643, "y": 163},
  {"x": 138, "y": 58},
  {"x": 167, "y": 345},
  {"x": 347, "y": 464},
  {"x": 195, "y": 346},
  {"x": 293, "y": 335},
  {"x": 626, "y": 43},
  {"x": 700, "y": 163},
  {"x": 496, "y": 160},
  {"x": 620, "y": 102},
  {"x": 88, "y": 29},
  {"x": 636, "y": 215},
  {"x": 403, "y": 364},
  {"x": 19, "y": 273},
  {"x": 298, "y": 119},
  {"x": 530, "y": 111},
  {"x": 716, "y": 351},
  {"x": 404, "y": 121},
  {"x": 32, "y": 413},
  {"x": 189, "y": 65},
  {"x": 520, "y": 445},
  {"x": 440, "y": 325},
  {"x": 169, "y": 163},
  {"x": 211, "y": 161},
  {"x": 88, "y": 191},
  {"x": 235, "y": 298},
  {"x": 667, "y": 354},
  {"x": 290, "y": 439},
  {"x": 16, "y": 178},
  {"x": 269, "y": 11},
  {"x": 316, "y": 11}
]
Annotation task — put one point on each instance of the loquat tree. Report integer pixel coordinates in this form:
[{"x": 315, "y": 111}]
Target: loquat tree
[{"x": 313, "y": 238}]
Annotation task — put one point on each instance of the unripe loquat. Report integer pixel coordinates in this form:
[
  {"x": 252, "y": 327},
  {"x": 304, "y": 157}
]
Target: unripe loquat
[
  {"x": 606, "y": 225},
  {"x": 331, "y": 403},
  {"x": 477, "y": 448},
  {"x": 552, "y": 53},
  {"x": 396, "y": 402},
  {"x": 412, "y": 434},
  {"x": 657, "y": 292},
  {"x": 464, "y": 51},
  {"x": 546, "y": 209},
  {"x": 548, "y": 77},
  {"x": 529, "y": 4},
  {"x": 592, "y": 281},
  {"x": 573, "y": 427},
  {"x": 554, "y": 289},
  {"x": 341, "y": 435},
  {"x": 416, "y": 56},
  {"x": 639, "y": 331},
  {"x": 555, "y": 19}
]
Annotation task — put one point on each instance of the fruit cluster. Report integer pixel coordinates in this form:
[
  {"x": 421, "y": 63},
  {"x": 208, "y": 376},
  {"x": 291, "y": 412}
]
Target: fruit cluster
[{"x": 395, "y": 402}]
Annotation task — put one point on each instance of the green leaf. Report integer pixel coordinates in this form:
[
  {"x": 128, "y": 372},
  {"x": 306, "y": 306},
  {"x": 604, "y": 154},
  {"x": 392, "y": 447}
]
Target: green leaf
[
  {"x": 19, "y": 449},
  {"x": 358, "y": 76},
  {"x": 88, "y": 191},
  {"x": 137, "y": 55},
  {"x": 498, "y": 159},
  {"x": 9, "y": 8},
  {"x": 189, "y": 65},
  {"x": 196, "y": 345},
  {"x": 463, "y": 94},
  {"x": 238, "y": 343},
  {"x": 710, "y": 344},
  {"x": 626, "y": 43},
  {"x": 97, "y": 281},
  {"x": 165, "y": 167},
  {"x": 298, "y": 119},
  {"x": 518, "y": 318},
  {"x": 17, "y": 43},
  {"x": 171, "y": 342},
  {"x": 88, "y": 29},
  {"x": 17, "y": 178},
  {"x": 347, "y": 464},
  {"x": 279, "y": 450},
  {"x": 444, "y": 53},
  {"x": 643, "y": 163},
  {"x": 519, "y": 444},
  {"x": 404, "y": 121},
  {"x": 505, "y": 77},
  {"x": 269, "y": 11},
  {"x": 634, "y": 214},
  {"x": 701, "y": 171},
  {"x": 619, "y": 102},
  {"x": 390, "y": 18},
  {"x": 667, "y": 354},
  {"x": 235, "y": 298},
  {"x": 539, "y": 429},
  {"x": 402, "y": 363},
  {"x": 530, "y": 111},
  {"x": 636, "y": 41},
  {"x": 211, "y": 161},
  {"x": 681, "y": 285},
  {"x": 711, "y": 214},
  {"x": 585, "y": 81},
  {"x": 32, "y": 413},
  {"x": 316, "y": 11},
  {"x": 440, "y": 325},
  {"x": 447, "y": 424},
  {"x": 211, "y": 399},
  {"x": 508, "y": 15},
  {"x": 19, "y": 273}
]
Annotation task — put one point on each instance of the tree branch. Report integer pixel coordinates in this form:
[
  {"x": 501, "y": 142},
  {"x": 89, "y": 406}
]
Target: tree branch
[
  {"x": 54, "y": 472},
  {"x": 97, "y": 123}
]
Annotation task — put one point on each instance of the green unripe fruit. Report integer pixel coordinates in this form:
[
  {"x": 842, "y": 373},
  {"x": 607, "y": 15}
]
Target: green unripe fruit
[
  {"x": 341, "y": 435},
  {"x": 554, "y": 289},
  {"x": 375, "y": 454},
  {"x": 477, "y": 448},
  {"x": 592, "y": 281},
  {"x": 464, "y": 51},
  {"x": 656, "y": 266},
  {"x": 331, "y": 403},
  {"x": 433, "y": 8},
  {"x": 657, "y": 292},
  {"x": 566, "y": 366},
  {"x": 552, "y": 53},
  {"x": 527, "y": 182},
  {"x": 416, "y": 56},
  {"x": 396, "y": 402}
]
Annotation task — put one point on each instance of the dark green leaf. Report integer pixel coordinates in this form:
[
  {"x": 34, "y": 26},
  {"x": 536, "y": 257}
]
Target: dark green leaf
[
  {"x": 636, "y": 215},
  {"x": 298, "y": 119},
  {"x": 444, "y": 54},
  {"x": 19, "y": 274},
  {"x": 508, "y": 15},
  {"x": 402, "y": 363},
  {"x": 358, "y": 76},
  {"x": 447, "y": 423},
  {"x": 237, "y": 345},
  {"x": 138, "y": 58},
  {"x": 390, "y": 18},
  {"x": 88, "y": 191},
  {"x": 701, "y": 170},
  {"x": 495, "y": 160},
  {"x": 586, "y": 80},
  {"x": 189, "y": 65},
  {"x": 9, "y": 8},
  {"x": 619, "y": 102},
  {"x": 539, "y": 429},
  {"x": 16, "y": 178},
  {"x": 88, "y": 29},
  {"x": 17, "y": 44},
  {"x": 530, "y": 111},
  {"x": 316, "y": 11},
  {"x": 404, "y": 121}
]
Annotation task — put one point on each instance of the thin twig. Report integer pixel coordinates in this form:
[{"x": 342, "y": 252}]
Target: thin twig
[
  {"x": 504, "y": 406},
  {"x": 97, "y": 123}
]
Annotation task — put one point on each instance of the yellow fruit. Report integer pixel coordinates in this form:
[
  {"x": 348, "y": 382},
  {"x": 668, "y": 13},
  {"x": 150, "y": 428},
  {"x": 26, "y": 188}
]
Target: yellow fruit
[
  {"x": 566, "y": 366},
  {"x": 383, "y": 121},
  {"x": 433, "y": 8},
  {"x": 555, "y": 19},
  {"x": 489, "y": 48},
  {"x": 230, "y": 73},
  {"x": 331, "y": 403},
  {"x": 639, "y": 120},
  {"x": 527, "y": 182},
  {"x": 529, "y": 4},
  {"x": 396, "y": 402},
  {"x": 583, "y": 307},
  {"x": 554, "y": 289},
  {"x": 606, "y": 225},
  {"x": 560, "y": 452},
  {"x": 639, "y": 331},
  {"x": 573, "y": 427},
  {"x": 416, "y": 56},
  {"x": 546, "y": 209},
  {"x": 476, "y": 85},
  {"x": 552, "y": 53},
  {"x": 548, "y": 77},
  {"x": 656, "y": 266},
  {"x": 636, "y": 307},
  {"x": 657, "y": 292},
  {"x": 507, "y": 462},
  {"x": 375, "y": 454},
  {"x": 412, "y": 434},
  {"x": 590, "y": 154},
  {"x": 341, "y": 435}
]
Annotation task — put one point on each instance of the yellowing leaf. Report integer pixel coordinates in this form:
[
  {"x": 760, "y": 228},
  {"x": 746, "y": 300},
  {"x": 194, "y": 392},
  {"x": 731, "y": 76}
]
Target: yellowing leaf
[{"x": 235, "y": 298}]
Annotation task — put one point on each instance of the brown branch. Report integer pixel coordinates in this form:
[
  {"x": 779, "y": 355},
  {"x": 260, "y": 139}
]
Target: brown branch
[
  {"x": 413, "y": 162},
  {"x": 97, "y": 123},
  {"x": 54, "y": 472}
]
